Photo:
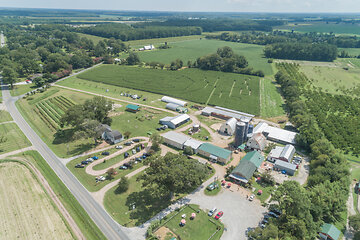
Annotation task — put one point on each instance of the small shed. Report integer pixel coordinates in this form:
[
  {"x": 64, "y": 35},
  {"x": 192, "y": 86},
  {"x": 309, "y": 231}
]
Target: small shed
[
  {"x": 132, "y": 108},
  {"x": 329, "y": 232},
  {"x": 285, "y": 166}
]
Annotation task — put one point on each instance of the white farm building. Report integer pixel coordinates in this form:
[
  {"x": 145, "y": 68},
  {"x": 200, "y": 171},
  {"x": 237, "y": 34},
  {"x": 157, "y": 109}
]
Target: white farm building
[
  {"x": 175, "y": 139},
  {"x": 229, "y": 127},
  {"x": 173, "y": 100},
  {"x": 174, "y": 122},
  {"x": 275, "y": 134},
  {"x": 282, "y": 153}
]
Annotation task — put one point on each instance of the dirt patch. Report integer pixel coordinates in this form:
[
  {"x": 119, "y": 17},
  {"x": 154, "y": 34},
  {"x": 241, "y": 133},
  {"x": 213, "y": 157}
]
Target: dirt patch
[
  {"x": 216, "y": 126},
  {"x": 164, "y": 233},
  {"x": 114, "y": 114}
]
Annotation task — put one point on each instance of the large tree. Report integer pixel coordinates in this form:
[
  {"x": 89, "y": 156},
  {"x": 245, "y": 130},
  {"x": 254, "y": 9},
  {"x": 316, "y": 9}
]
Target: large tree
[{"x": 9, "y": 75}]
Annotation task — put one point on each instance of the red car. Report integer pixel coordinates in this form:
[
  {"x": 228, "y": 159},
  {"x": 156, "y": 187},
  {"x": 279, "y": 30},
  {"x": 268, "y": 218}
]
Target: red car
[{"x": 219, "y": 215}]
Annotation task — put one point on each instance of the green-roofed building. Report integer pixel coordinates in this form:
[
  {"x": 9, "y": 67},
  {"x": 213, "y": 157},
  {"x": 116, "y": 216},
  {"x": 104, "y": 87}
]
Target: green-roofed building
[
  {"x": 329, "y": 232},
  {"x": 215, "y": 153},
  {"x": 247, "y": 166},
  {"x": 132, "y": 108}
]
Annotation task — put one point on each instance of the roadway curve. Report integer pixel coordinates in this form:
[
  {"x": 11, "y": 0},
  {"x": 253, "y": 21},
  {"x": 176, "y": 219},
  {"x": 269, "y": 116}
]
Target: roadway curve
[{"x": 102, "y": 219}]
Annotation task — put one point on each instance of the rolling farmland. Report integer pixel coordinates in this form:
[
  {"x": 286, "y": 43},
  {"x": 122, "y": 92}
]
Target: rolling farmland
[{"x": 235, "y": 91}]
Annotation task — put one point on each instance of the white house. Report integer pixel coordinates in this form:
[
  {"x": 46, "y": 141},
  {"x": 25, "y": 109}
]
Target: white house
[
  {"x": 174, "y": 122},
  {"x": 228, "y": 127},
  {"x": 282, "y": 153},
  {"x": 257, "y": 142}
]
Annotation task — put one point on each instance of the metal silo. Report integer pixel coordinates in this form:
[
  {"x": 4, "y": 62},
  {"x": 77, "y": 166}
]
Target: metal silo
[{"x": 240, "y": 133}]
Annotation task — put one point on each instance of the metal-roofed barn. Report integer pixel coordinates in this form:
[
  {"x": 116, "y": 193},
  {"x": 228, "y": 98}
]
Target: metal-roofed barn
[
  {"x": 257, "y": 142},
  {"x": 285, "y": 166},
  {"x": 247, "y": 166},
  {"x": 174, "y": 122},
  {"x": 175, "y": 139},
  {"x": 276, "y": 134},
  {"x": 194, "y": 144},
  {"x": 282, "y": 153},
  {"x": 229, "y": 127},
  {"x": 173, "y": 100},
  {"x": 172, "y": 106},
  {"x": 215, "y": 153}
]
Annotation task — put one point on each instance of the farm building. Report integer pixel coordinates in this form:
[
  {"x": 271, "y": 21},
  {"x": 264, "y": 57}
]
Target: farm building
[
  {"x": 176, "y": 107},
  {"x": 132, "y": 108},
  {"x": 224, "y": 113},
  {"x": 282, "y": 153},
  {"x": 229, "y": 127},
  {"x": 246, "y": 168},
  {"x": 173, "y": 100},
  {"x": 256, "y": 142},
  {"x": 215, "y": 153},
  {"x": 276, "y": 134},
  {"x": 194, "y": 144},
  {"x": 112, "y": 137},
  {"x": 174, "y": 122},
  {"x": 149, "y": 47},
  {"x": 329, "y": 232},
  {"x": 285, "y": 166},
  {"x": 175, "y": 139}
]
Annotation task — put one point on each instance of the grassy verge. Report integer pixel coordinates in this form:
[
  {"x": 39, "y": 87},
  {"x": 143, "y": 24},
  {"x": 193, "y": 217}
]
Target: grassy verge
[
  {"x": 13, "y": 138},
  {"x": 82, "y": 219},
  {"x": 272, "y": 104},
  {"x": 201, "y": 135},
  {"x": 266, "y": 191},
  {"x": 215, "y": 191},
  {"x": 5, "y": 116},
  {"x": 18, "y": 90}
]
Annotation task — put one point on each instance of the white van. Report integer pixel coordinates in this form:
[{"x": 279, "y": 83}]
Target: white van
[{"x": 212, "y": 211}]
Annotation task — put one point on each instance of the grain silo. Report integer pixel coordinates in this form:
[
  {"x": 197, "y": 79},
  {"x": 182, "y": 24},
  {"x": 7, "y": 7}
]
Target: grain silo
[{"x": 240, "y": 133}]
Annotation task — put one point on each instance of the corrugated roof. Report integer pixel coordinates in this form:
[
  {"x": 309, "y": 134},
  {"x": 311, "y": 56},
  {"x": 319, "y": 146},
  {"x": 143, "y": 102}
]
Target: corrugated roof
[
  {"x": 276, "y": 133},
  {"x": 254, "y": 157},
  {"x": 276, "y": 152},
  {"x": 231, "y": 114},
  {"x": 287, "y": 151},
  {"x": 245, "y": 169},
  {"x": 215, "y": 150},
  {"x": 173, "y": 100},
  {"x": 330, "y": 230},
  {"x": 180, "y": 118},
  {"x": 176, "y": 137},
  {"x": 194, "y": 144},
  {"x": 132, "y": 107},
  {"x": 284, "y": 164},
  {"x": 172, "y": 106}
]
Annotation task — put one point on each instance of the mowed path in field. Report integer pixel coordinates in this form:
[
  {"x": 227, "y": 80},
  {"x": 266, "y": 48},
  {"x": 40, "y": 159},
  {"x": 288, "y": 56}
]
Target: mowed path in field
[{"x": 26, "y": 211}]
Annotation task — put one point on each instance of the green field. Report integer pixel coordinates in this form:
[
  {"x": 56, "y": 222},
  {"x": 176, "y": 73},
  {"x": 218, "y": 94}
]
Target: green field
[
  {"x": 119, "y": 205},
  {"x": 272, "y": 104},
  {"x": 12, "y": 138},
  {"x": 235, "y": 91},
  {"x": 159, "y": 41},
  {"x": 82, "y": 219},
  {"x": 352, "y": 51},
  {"x": 5, "y": 116},
  {"x": 93, "y": 38},
  {"x": 341, "y": 28},
  {"x": 60, "y": 144},
  {"x": 18, "y": 90},
  {"x": 200, "y": 228},
  {"x": 191, "y": 50},
  {"x": 333, "y": 79}
]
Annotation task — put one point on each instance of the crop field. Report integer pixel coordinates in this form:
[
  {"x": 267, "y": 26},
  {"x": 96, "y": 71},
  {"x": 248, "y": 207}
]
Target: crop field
[
  {"x": 61, "y": 144},
  {"x": 12, "y": 138},
  {"x": 191, "y": 50},
  {"x": 334, "y": 80},
  {"x": 26, "y": 210},
  {"x": 235, "y": 91},
  {"x": 51, "y": 110},
  {"x": 341, "y": 28},
  {"x": 272, "y": 104}
]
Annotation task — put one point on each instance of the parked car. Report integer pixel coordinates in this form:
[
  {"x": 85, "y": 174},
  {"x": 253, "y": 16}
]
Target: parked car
[
  {"x": 251, "y": 198},
  {"x": 127, "y": 143},
  {"x": 275, "y": 210},
  {"x": 89, "y": 160},
  {"x": 101, "y": 178},
  {"x": 212, "y": 186},
  {"x": 123, "y": 167},
  {"x": 142, "y": 146},
  {"x": 126, "y": 155},
  {"x": 85, "y": 162},
  {"x": 119, "y": 147},
  {"x": 219, "y": 215},
  {"x": 95, "y": 158},
  {"x": 105, "y": 153},
  {"x": 273, "y": 214},
  {"x": 212, "y": 211},
  {"x": 136, "y": 140},
  {"x": 159, "y": 129},
  {"x": 133, "y": 151},
  {"x": 79, "y": 165},
  {"x": 138, "y": 149}
]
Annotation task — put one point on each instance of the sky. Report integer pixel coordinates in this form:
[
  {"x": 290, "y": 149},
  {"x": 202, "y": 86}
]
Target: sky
[{"x": 336, "y": 6}]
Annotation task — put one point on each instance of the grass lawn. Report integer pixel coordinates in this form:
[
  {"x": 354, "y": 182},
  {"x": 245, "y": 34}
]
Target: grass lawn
[
  {"x": 215, "y": 191},
  {"x": 82, "y": 219},
  {"x": 119, "y": 205},
  {"x": 89, "y": 180},
  {"x": 191, "y": 50},
  {"x": 332, "y": 79},
  {"x": 272, "y": 104},
  {"x": 5, "y": 116},
  {"x": 60, "y": 144},
  {"x": 22, "y": 89},
  {"x": 14, "y": 138},
  {"x": 355, "y": 174},
  {"x": 159, "y": 41},
  {"x": 208, "y": 120},
  {"x": 266, "y": 191},
  {"x": 113, "y": 91},
  {"x": 351, "y": 51},
  {"x": 200, "y": 228},
  {"x": 230, "y": 90},
  {"x": 200, "y": 135}
]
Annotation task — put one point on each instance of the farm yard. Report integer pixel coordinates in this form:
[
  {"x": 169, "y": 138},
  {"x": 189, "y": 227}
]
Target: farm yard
[
  {"x": 27, "y": 211},
  {"x": 192, "y": 49},
  {"x": 235, "y": 91}
]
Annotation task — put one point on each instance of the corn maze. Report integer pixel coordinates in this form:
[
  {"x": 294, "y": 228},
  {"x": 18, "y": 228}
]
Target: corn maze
[{"x": 51, "y": 110}]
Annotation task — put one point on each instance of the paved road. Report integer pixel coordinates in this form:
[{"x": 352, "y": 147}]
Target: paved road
[{"x": 107, "y": 225}]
